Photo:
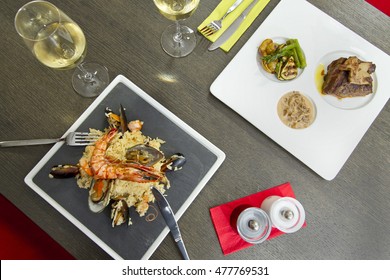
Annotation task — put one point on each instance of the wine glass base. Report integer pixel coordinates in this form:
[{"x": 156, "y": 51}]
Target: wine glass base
[
  {"x": 178, "y": 47},
  {"x": 92, "y": 81}
]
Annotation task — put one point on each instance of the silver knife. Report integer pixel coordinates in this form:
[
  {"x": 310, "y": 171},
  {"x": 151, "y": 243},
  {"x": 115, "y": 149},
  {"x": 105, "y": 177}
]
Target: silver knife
[
  {"x": 170, "y": 220},
  {"x": 232, "y": 28}
]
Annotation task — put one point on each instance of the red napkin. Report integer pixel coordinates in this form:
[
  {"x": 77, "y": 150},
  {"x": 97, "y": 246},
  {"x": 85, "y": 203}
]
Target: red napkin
[
  {"x": 382, "y": 5},
  {"x": 225, "y": 216}
]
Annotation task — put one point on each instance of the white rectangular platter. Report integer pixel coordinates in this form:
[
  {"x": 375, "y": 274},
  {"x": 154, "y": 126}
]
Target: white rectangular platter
[
  {"x": 339, "y": 124},
  {"x": 141, "y": 239}
]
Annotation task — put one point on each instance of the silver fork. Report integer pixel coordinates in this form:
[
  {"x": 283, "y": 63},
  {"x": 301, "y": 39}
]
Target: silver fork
[
  {"x": 216, "y": 25},
  {"x": 72, "y": 139}
]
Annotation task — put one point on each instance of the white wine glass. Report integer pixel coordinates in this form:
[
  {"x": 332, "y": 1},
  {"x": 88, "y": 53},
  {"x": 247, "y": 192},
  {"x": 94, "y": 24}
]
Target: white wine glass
[
  {"x": 177, "y": 40},
  {"x": 58, "y": 42}
]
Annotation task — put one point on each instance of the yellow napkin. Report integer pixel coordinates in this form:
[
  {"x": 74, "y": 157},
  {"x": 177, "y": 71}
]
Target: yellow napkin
[{"x": 221, "y": 9}]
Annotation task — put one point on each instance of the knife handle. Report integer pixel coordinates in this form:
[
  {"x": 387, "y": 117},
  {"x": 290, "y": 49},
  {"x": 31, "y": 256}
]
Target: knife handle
[
  {"x": 182, "y": 249},
  {"x": 232, "y": 8},
  {"x": 15, "y": 143}
]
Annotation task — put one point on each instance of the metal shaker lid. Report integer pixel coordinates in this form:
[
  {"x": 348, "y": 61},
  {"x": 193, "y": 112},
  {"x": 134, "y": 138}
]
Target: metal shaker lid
[{"x": 254, "y": 225}]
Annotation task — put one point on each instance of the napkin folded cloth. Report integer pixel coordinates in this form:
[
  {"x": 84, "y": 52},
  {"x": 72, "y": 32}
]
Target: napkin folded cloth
[
  {"x": 382, "y": 5},
  {"x": 224, "y": 217},
  {"x": 221, "y": 9}
]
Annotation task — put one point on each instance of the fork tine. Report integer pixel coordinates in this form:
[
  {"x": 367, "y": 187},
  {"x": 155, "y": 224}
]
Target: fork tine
[
  {"x": 79, "y": 133},
  {"x": 207, "y": 30},
  {"x": 81, "y": 138},
  {"x": 83, "y": 142},
  {"x": 216, "y": 25},
  {"x": 211, "y": 32},
  {"x": 86, "y": 136}
]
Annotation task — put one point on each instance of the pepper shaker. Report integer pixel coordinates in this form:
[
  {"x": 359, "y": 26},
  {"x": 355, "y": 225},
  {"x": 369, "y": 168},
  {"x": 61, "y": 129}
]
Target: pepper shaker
[{"x": 286, "y": 213}]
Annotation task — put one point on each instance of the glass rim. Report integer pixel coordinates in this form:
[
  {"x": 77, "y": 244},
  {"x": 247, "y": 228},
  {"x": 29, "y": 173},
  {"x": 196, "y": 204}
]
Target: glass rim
[{"x": 32, "y": 2}]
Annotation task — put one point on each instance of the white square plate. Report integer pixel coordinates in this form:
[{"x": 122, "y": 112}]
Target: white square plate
[{"x": 340, "y": 124}]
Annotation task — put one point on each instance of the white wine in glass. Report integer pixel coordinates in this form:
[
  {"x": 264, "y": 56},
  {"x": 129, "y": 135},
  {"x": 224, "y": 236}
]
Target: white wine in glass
[
  {"x": 59, "y": 43},
  {"x": 177, "y": 40}
]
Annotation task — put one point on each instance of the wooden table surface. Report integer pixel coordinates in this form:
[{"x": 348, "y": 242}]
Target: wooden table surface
[{"x": 348, "y": 217}]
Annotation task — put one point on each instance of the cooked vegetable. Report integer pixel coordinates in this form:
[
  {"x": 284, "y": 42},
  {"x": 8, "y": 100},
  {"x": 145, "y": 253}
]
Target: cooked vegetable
[
  {"x": 296, "y": 59},
  {"x": 289, "y": 70},
  {"x": 283, "y": 60},
  {"x": 266, "y": 47},
  {"x": 298, "y": 49},
  {"x": 270, "y": 67},
  {"x": 285, "y": 51}
]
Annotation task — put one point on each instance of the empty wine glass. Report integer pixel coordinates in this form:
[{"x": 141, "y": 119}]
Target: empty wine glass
[
  {"x": 58, "y": 42},
  {"x": 177, "y": 40}
]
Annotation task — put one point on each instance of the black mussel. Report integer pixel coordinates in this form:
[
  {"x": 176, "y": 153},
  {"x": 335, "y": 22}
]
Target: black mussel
[
  {"x": 123, "y": 119},
  {"x": 143, "y": 154},
  {"x": 119, "y": 212},
  {"x": 174, "y": 163},
  {"x": 99, "y": 195},
  {"x": 64, "y": 171},
  {"x": 98, "y": 190},
  {"x": 113, "y": 120}
]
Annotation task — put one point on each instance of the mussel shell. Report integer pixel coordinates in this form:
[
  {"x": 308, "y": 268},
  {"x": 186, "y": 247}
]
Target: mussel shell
[
  {"x": 143, "y": 154},
  {"x": 97, "y": 205},
  {"x": 98, "y": 190},
  {"x": 64, "y": 171},
  {"x": 119, "y": 212},
  {"x": 174, "y": 163},
  {"x": 123, "y": 119},
  {"x": 112, "y": 119}
]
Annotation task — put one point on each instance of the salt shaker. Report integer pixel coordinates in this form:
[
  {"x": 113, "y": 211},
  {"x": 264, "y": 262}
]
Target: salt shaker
[
  {"x": 254, "y": 225},
  {"x": 286, "y": 213}
]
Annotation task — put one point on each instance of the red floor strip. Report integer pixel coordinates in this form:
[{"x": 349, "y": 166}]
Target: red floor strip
[{"x": 22, "y": 239}]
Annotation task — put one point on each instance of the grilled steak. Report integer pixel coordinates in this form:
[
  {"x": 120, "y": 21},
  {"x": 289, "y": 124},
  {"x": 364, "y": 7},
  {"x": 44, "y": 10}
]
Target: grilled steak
[{"x": 348, "y": 78}]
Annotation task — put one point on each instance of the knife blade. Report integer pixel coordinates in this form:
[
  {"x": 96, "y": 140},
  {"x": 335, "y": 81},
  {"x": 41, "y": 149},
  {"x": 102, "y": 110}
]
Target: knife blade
[
  {"x": 232, "y": 28},
  {"x": 170, "y": 220}
]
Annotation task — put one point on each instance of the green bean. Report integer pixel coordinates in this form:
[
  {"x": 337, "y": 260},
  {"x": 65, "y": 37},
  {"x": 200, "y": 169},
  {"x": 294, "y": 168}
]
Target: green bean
[{"x": 300, "y": 54}]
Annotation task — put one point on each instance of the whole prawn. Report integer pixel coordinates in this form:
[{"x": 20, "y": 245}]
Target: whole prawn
[{"x": 103, "y": 168}]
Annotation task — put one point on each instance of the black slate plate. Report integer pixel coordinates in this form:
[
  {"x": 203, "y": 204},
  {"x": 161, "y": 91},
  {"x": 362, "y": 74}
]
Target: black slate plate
[{"x": 139, "y": 240}]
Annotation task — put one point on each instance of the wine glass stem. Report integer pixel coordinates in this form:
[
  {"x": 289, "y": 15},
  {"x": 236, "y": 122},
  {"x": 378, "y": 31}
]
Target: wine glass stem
[
  {"x": 178, "y": 37},
  {"x": 87, "y": 77}
]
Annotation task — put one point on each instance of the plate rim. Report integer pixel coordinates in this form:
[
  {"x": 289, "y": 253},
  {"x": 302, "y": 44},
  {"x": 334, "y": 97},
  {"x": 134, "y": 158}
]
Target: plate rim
[{"x": 220, "y": 157}]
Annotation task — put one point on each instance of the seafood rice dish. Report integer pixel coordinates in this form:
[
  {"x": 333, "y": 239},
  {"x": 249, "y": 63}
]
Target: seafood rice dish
[
  {"x": 120, "y": 168},
  {"x": 136, "y": 194}
]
